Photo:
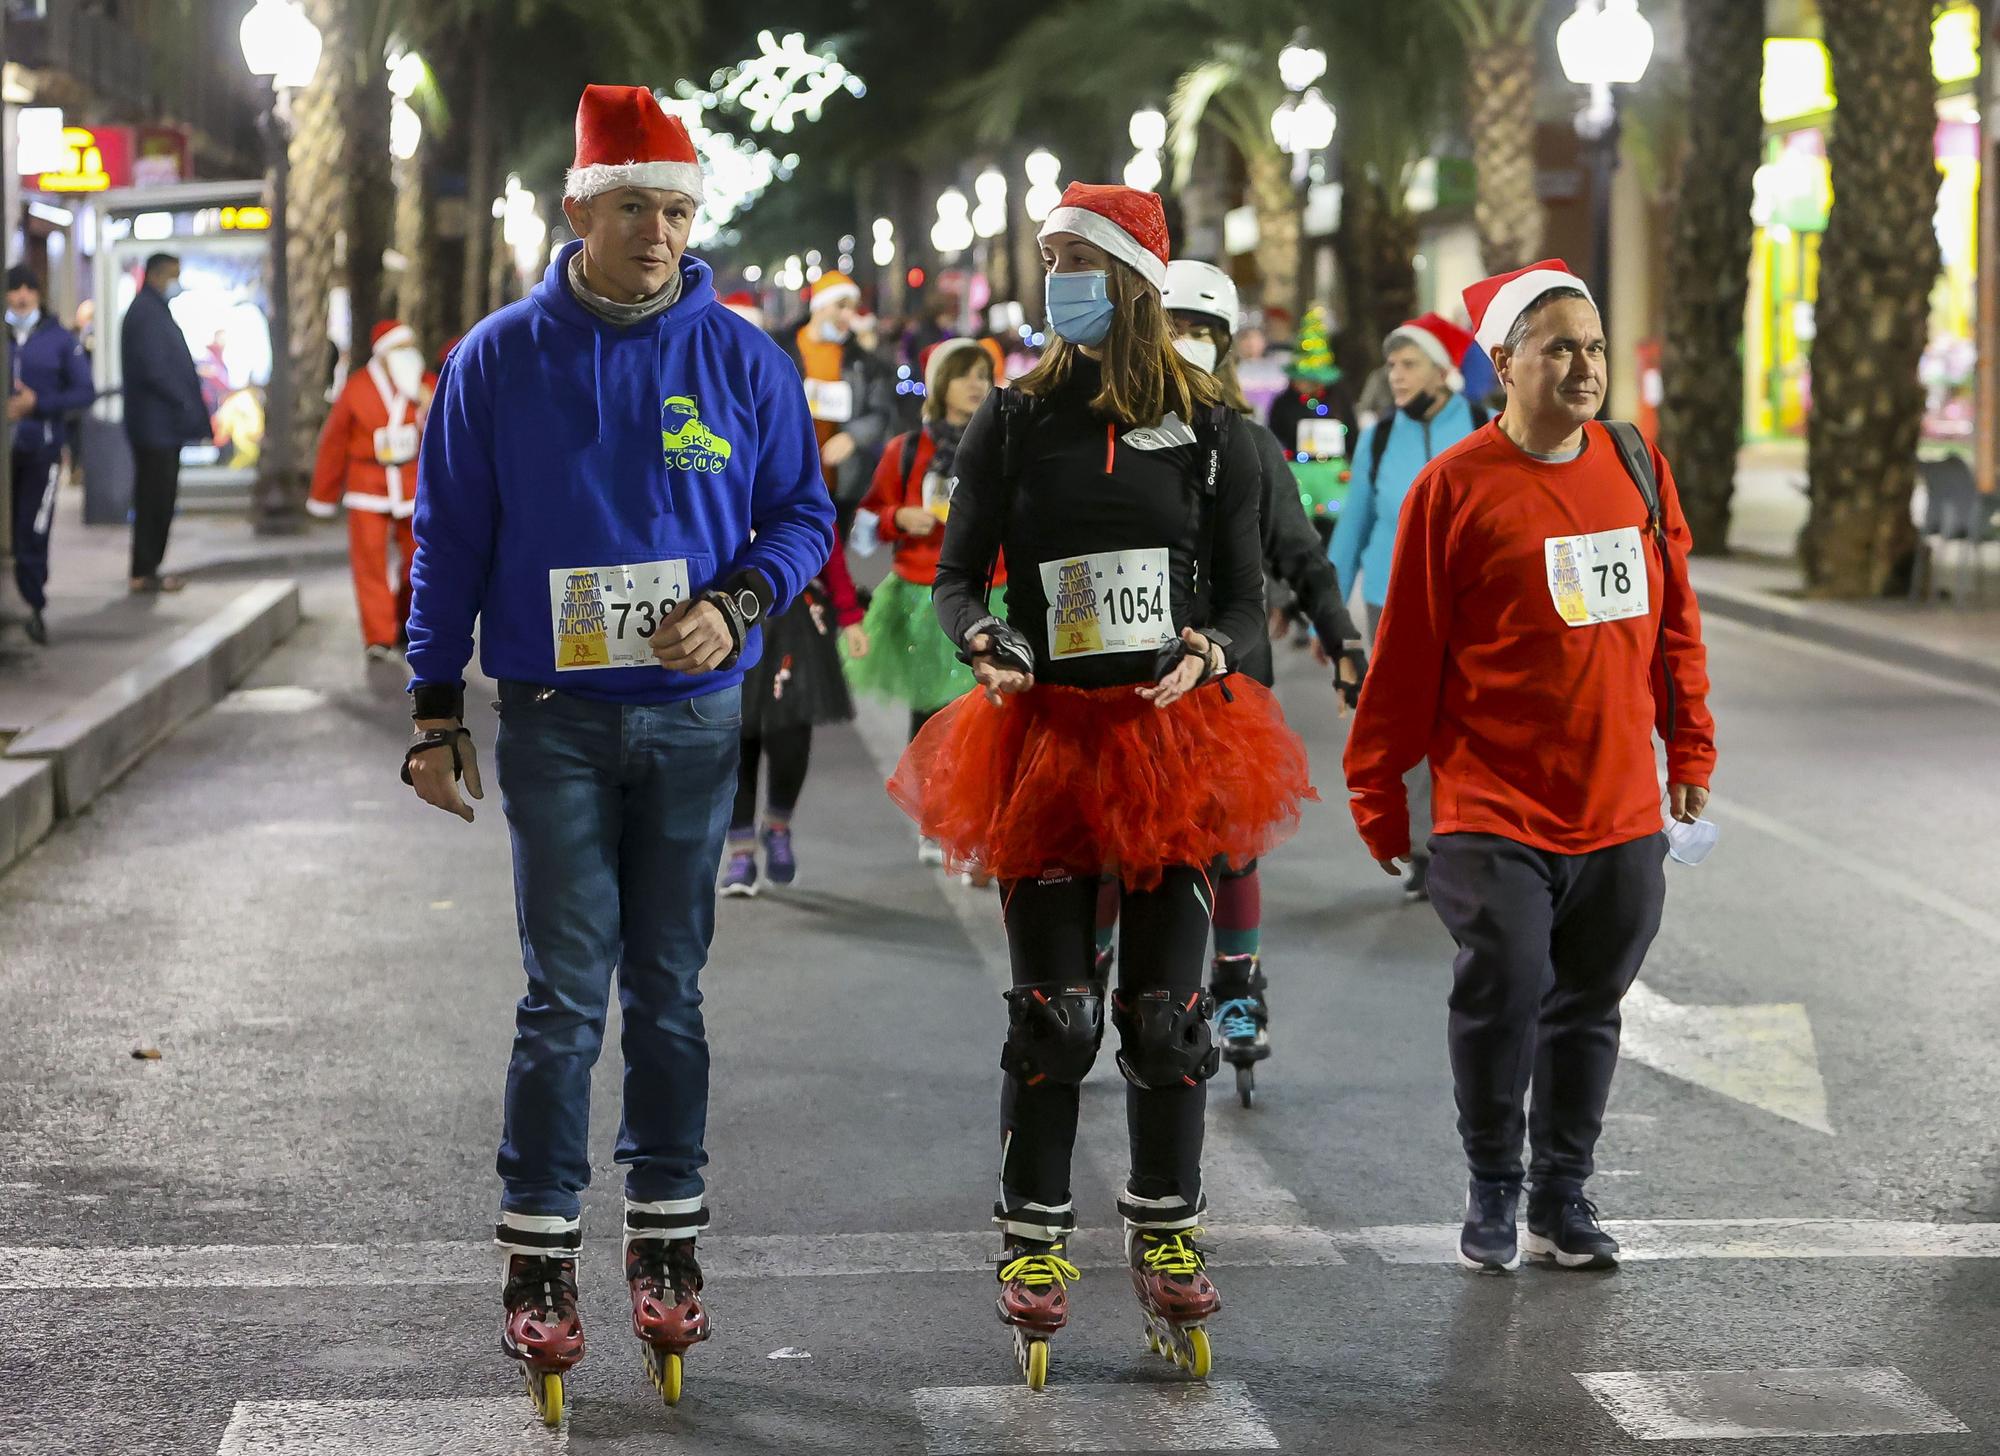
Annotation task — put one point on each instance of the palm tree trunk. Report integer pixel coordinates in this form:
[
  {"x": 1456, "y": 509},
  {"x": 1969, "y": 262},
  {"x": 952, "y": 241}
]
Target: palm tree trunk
[
  {"x": 419, "y": 300},
  {"x": 1878, "y": 261},
  {"x": 1376, "y": 248},
  {"x": 1500, "y": 106},
  {"x": 1279, "y": 226},
  {"x": 1701, "y": 416},
  {"x": 479, "y": 188}
]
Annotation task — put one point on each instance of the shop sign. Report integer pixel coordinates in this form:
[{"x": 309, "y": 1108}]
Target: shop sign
[
  {"x": 96, "y": 159},
  {"x": 160, "y": 156},
  {"x": 1798, "y": 75}
]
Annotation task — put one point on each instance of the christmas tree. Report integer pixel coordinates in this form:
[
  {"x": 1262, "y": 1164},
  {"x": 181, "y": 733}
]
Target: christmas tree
[{"x": 1312, "y": 361}]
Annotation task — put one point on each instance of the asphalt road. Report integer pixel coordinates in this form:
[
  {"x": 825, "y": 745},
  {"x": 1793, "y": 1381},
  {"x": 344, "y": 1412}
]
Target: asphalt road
[{"x": 271, "y": 1238}]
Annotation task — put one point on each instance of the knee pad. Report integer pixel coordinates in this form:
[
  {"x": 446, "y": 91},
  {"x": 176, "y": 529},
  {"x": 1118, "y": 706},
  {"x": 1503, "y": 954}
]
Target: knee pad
[
  {"x": 1053, "y": 1031},
  {"x": 1164, "y": 1039}
]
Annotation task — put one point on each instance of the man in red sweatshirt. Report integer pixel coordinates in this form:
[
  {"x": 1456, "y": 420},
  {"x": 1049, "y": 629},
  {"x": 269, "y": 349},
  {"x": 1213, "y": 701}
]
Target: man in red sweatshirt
[{"x": 1539, "y": 629}]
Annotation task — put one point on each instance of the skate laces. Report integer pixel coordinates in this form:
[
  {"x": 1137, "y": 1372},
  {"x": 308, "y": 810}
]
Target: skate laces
[
  {"x": 1174, "y": 1253},
  {"x": 1237, "y": 1019},
  {"x": 670, "y": 1270},
  {"x": 1040, "y": 1268},
  {"x": 543, "y": 1283}
]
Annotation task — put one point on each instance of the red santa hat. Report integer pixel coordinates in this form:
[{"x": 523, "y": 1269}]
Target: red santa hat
[
  {"x": 1128, "y": 224},
  {"x": 832, "y": 288},
  {"x": 741, "y": 298},
  {"x": 624, "y": 139},
  {"x": 389, "y": 336},
  {"x": 1494, "y": 304},
  {"x": 1443, "y": 342}
]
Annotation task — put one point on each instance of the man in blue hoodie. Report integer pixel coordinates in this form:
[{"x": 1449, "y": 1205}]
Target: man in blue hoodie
[{"x": 619, "y": 480}]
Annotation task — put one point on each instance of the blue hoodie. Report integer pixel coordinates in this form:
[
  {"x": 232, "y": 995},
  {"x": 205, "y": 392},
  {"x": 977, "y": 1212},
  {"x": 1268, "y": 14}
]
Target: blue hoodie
[
  {"x": 559, "y": 441},
  {"x": 1364, "y": 540}
]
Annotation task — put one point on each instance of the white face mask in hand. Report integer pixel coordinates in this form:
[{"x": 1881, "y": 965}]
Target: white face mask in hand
[{"x": 1689, "y": 844}]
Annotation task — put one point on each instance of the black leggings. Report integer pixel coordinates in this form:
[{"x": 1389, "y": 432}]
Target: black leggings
[
  {"x": 790, "y": 753},
  {"x": 1051, "y": 927}
]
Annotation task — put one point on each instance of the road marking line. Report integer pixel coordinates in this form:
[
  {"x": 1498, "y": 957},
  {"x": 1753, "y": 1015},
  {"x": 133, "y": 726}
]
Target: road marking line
[
  {"x": 1850, "y": 661},
  {"x": 755, "y": 1256},
  {"x": 1723, "y": 1405},
  {"x": 1720, "y": 1238},
  {"x": 1763, "y": 1055},
  {"x": 1217, "y": 1416},
  {"x": 388, "y": 1428},
  {"x": 1886, "y": 880}
]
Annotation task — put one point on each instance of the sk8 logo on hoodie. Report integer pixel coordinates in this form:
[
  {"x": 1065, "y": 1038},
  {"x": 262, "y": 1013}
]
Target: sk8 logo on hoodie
[{"x": 686, "y": 442}]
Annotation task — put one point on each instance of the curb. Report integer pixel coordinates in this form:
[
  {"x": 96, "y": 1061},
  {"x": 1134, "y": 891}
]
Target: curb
[
  {"x": 73, "y": 758},
  {"x": 1794, "y": 619}
]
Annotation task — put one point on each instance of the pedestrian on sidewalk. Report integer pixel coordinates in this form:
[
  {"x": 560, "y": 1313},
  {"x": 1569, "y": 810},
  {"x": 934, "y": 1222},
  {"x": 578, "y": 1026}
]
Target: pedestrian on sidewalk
[
  {"x": 163, "y": 411},
  {"x": 619, "y": 482},
  {"x": 1111, "y": 734},
  {"x": 1428, "y": 415},
  {"x": 1540, "y": 628},
  {"x": 51, "y": 381},
  {"x": 850, "y": 392},
  {"x": 368, "y": 462}
]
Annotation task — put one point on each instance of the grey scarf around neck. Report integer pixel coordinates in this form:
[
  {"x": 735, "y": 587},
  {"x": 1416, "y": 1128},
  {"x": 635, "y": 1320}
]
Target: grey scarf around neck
[{"x": 621, "y": 313}]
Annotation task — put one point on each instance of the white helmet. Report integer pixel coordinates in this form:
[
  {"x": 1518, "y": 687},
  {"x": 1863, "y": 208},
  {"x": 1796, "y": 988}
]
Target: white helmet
[{"x": 1200, "y": 288}]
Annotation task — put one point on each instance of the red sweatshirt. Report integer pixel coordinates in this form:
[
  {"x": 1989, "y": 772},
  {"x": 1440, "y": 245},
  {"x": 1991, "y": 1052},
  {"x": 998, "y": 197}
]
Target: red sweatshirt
[
  {"x": 840, "y": 586},
  {"x": 916, "y": 556},
  {"x": 1536, "y": 729}
]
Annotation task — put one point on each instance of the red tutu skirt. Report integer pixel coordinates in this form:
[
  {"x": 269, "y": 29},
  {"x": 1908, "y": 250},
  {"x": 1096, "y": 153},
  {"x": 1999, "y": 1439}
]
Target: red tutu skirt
[{"x": 1098, "y": 780}]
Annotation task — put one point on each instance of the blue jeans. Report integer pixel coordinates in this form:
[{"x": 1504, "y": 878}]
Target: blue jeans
[{"x": 617, "y": 814}]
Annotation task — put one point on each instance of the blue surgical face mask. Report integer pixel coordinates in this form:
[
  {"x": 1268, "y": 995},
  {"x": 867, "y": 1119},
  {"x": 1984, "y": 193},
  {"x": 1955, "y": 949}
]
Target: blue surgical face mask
[
  {"x": 1080, "y": 307},
  {"x": 172, "y": 291}
]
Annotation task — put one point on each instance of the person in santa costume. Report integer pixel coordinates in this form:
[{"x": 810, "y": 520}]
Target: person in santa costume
[
  {"x": 1110, "y": 734},
  {"x": 619, "y": 483},
  {"x": 850, "y": 392},
  {"x": 1428, "y": 415},
  {"x": 368, "y": 462},
  {"x": 1539, "y": 630}
]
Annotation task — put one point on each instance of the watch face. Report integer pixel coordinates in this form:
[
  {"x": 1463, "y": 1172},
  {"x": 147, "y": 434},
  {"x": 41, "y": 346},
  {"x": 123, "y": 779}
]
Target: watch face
[{"x": 748, "y": 605}]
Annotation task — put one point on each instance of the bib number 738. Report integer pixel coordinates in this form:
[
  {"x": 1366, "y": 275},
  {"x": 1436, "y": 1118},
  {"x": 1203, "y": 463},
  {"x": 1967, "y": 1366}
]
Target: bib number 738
[
  {"x": 605, "y": 616},
  {"x": 1598, "y": 578}
]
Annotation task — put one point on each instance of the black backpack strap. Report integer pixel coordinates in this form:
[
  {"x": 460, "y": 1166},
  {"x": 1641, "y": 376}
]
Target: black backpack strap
[
  {"x": 1479, "y": 414},
  {"x": 1211, "y": 433},
  {"x": 1638, "y": 461},
  {"x": 908, "y": 460},
  {"x": 1017, "y": 413},
  {"x": 1378, "y": 444}
]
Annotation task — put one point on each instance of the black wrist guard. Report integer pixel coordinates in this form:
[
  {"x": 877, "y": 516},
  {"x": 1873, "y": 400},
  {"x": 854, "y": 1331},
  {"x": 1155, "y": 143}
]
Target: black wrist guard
[
  {"x": 1007, "y": 647},
  {"x": 1351, "y": 691},
  {"x": 438, "y": 700},
  {"x": 732, "y": 615},
  {"x": 1172, "y": 653},
  {"x": 437, "y": 738}
]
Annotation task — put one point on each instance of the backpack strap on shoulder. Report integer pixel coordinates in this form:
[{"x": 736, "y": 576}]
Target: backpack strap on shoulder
[
  {"x": 1638, "y": 462},
  {"x": 907, "y": 461},
  {"x": 1378, "y": 443}
]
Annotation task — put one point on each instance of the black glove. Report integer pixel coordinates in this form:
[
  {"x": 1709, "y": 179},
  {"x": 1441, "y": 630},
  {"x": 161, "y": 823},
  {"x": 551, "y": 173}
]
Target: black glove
[
  {"x": 1350, "y": 692},
  {"x": 1170, "y": 654},
  {"x": 1007, "y": 647},
  {"x": 436, "y": 738}
]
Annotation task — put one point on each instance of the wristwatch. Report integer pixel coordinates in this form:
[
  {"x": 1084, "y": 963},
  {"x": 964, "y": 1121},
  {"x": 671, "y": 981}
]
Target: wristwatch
[{"x": 748, "y": 605}]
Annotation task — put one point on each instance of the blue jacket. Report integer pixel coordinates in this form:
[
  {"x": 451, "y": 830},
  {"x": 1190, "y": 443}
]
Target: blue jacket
[
  {"x": 52, "y": 363},
  {"x": 1364, "y": 541},
  {"x": 558, "y": 441},
  {"x": 163, "y": 406}
]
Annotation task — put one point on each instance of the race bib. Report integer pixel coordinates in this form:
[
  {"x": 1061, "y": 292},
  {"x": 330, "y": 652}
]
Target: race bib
[
  {"x": 605, "y": 616},
  {"x": 1598, "y": 578},
  {"x": 937, "y": 494},
  {"x": 1116, "y": 601},
  {"x": 396, "y": 445},
  {"x": 830, "y": 400},
  {"x": 1320, "y": 439}
]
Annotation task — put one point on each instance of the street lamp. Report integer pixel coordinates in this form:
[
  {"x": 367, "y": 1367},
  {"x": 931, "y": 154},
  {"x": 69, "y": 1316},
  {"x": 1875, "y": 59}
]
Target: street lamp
[
  {"x": 1044, "y": 196},
  {"x": 952, "y": 232},
  {"x": 281, "y": 48},
  {"x": 1604, "y": 43}
]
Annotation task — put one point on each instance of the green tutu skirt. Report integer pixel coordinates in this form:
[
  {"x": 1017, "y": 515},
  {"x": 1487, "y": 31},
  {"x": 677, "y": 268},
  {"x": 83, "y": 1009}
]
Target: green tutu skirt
[{"x": 910, "y": 660}]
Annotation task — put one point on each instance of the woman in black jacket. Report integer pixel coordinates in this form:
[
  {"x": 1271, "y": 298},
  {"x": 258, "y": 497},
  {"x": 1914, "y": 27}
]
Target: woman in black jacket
[{"x": 1108, "y": 736}]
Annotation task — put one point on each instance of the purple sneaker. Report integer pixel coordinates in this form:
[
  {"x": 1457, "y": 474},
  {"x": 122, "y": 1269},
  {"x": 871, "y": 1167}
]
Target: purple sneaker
[
  {"x": 739, "y": 881},
  {"x": 779, "y": 861}
]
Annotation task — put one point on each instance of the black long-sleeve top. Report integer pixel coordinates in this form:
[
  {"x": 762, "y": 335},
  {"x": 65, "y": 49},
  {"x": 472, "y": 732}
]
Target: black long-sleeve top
[
  {"x": 1089, "y": 487},
  {"x": 1294, "y": 555}
]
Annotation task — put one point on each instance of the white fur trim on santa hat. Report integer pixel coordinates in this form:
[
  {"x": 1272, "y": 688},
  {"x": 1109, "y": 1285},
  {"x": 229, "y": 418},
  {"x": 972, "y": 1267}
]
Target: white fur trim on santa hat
[
  {"x": 827, "y": 297},
  {"x": 1433, "y": 348},
  {"x": 584, "y": 183},
  {"x": 1095, "y": 227},
  {"x": 400, "y": 337},
  {"x": 1515, "y": 297}
]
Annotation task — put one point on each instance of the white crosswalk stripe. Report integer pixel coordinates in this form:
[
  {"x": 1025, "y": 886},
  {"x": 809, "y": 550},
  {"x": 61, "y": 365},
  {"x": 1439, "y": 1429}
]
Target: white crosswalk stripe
[
  {"x": 961, "y": 1420},
  {"x": 388, "y": 1428},
  {"x": 1724, "y": 1405}
]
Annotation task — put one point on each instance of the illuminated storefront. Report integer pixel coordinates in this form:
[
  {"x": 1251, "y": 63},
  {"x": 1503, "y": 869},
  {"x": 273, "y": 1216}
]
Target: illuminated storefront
[{"x": 1794, "y": 193}]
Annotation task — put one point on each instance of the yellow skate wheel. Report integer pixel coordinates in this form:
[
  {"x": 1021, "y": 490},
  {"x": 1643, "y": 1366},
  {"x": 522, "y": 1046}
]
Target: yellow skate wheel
[
  {"x": 1035, "y": 1363},
  {"x": 1199, "y": 1359},
  {"x": 545, "y": 1387},
  {"x": 670, "y": 1379}
]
